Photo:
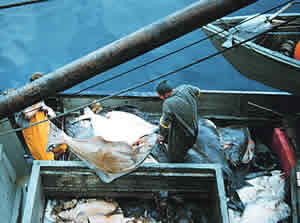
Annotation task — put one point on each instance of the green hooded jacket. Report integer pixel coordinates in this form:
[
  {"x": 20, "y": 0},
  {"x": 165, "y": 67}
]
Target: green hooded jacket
[{"x": 179, "y": 121}]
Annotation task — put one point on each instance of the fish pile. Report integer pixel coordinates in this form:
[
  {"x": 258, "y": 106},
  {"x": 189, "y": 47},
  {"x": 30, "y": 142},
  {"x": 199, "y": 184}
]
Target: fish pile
[
  {"x": 125, "y": 210},
  {"x": 264, "y": 201},
  {"x": 234, "y": 149},
  {"x": 237, "y": 144},
  {"x": 209, "y": 149},
  {"x": 83, "y": 211},
  {"x": 230, "y": 146},
  {"x": 121, "y": 142}
]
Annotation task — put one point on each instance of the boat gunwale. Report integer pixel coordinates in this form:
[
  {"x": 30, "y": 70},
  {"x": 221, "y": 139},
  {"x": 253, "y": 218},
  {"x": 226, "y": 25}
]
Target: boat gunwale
[
  {"x": 278, "y": 57},
  {"x": 152, "y": 95}
]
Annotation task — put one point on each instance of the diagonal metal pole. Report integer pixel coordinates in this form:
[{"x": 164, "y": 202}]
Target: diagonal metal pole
[{"x": 152, "y": 36}]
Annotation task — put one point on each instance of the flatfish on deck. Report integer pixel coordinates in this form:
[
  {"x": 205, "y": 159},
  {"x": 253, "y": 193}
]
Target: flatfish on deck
[
  {"x": 115, "y": 150},
  {"x": 94, "y": 211}
]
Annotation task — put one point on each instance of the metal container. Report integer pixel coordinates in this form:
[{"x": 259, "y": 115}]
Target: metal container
[{"x": 69, "y": 179}]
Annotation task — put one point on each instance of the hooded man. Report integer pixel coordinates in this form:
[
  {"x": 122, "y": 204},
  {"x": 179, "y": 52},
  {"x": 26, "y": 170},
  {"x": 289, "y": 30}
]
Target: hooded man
[{"x": 179, "y": 120}]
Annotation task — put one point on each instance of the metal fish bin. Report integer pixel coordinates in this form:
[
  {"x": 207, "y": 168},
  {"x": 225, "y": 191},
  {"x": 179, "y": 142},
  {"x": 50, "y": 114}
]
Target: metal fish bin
[{"x": 73, "y": 179}]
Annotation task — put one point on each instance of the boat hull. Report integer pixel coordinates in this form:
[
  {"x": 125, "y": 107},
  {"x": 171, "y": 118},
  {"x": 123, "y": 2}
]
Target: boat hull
[{"x": 258, "y": 63}]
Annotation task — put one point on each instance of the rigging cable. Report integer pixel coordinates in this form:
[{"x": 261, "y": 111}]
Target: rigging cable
[
  {"x": 150, "y": 81},
  {"x": 21, "y": 4},
  {"x": 176, "y": 51},
  {"x": 169, "y": 54}
]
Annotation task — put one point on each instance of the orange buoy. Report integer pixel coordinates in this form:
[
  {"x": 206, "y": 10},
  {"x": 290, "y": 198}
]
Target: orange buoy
[{"x": 297, "y": 51}]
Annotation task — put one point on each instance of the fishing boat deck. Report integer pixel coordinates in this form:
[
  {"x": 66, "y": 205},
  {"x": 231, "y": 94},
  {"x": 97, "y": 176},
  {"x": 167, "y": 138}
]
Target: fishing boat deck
[{"x": 257, "y": 110}]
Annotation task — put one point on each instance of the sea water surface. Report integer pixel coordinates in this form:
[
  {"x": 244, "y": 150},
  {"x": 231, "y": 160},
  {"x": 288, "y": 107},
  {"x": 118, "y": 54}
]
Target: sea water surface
[{"x": 46, "y": 36}]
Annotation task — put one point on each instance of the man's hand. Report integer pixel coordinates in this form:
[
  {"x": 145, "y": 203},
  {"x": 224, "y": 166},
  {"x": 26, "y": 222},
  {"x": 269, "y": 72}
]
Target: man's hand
[
  {"x": 57, "y": 154},
  {"x": 48, "y": 111},
  {"x": 138, "y": 142},
  {"x": 161, "y": 139}
]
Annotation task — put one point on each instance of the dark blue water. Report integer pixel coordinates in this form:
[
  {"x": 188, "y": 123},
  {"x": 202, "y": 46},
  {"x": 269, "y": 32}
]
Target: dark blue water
[{"x": 44, "y": 37}]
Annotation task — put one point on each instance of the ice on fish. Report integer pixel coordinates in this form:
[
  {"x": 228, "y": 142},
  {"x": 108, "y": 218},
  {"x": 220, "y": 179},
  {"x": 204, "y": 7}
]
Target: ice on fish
[
  {"x": 264, "y": 201},
  {"x": 265, "y": 211},
  {"x": 49, "y": 216},
  {"x": 267, "y": 187}
]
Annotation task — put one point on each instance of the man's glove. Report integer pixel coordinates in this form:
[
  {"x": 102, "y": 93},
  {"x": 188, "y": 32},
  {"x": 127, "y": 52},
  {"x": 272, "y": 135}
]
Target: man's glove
[{"x": 49, "y": 111}]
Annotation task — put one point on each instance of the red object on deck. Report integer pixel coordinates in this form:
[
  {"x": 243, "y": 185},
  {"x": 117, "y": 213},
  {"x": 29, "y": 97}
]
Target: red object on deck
[
  {"x": 284, "y": 150},
  {"x": 297, "y": 51}
]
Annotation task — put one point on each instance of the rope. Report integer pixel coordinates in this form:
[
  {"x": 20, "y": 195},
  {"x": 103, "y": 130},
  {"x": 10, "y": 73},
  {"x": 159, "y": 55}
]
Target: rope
[{"x": 150, "y": 81}]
